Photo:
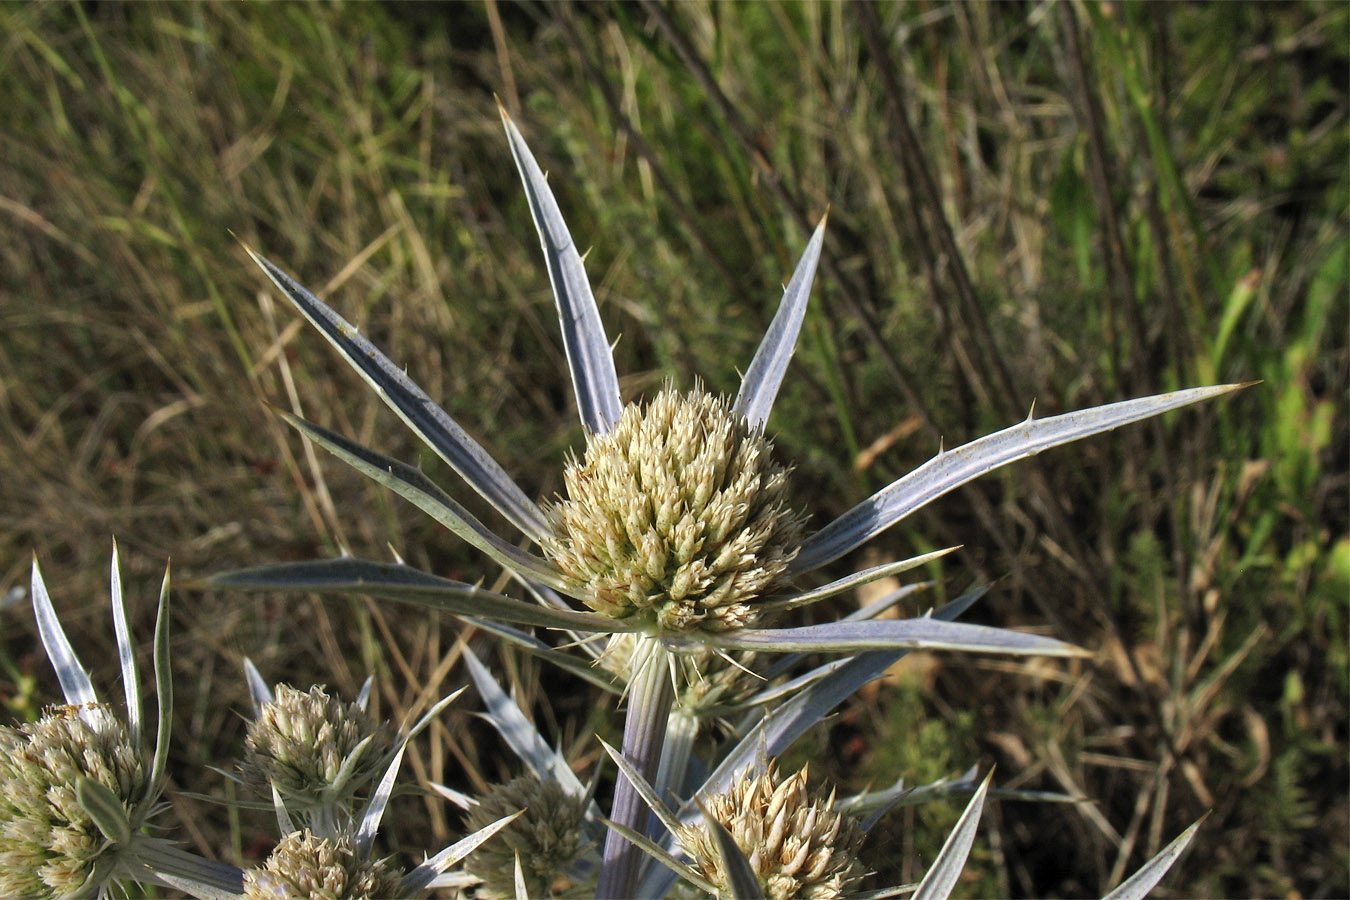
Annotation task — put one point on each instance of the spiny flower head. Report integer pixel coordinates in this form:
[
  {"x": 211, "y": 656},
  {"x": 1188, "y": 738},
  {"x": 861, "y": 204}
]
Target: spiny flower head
[
  {"x": 314, "y": 749},
  {"x": 797, "y": 844},
  {"x": 320, "y": 868},
  {"x": 49, "y": 844},
  {"x": 678, "y": 513},
  {"x": 549, "y": 839}
]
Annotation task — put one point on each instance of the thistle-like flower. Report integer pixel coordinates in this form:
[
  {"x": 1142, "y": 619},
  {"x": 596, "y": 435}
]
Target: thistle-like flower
[
  {"x": 316, "y": 755},
  {"x": 50, "y": 842},
  {"x": 305, "y": 865},
  {"x": 797, "y": 844},
  {"x": 76, "y": 790},
  {"x": 679, "y": 515},
  {"x": 548, "y": 839},
  {"x": 315, "y": 751}
]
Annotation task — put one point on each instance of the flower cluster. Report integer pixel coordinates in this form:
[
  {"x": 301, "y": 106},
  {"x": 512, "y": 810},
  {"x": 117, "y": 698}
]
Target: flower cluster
[
  {"x": 548, "y": 838},
  {"x": 314, "y": 750},
  {"x": 324, "y": 868}
]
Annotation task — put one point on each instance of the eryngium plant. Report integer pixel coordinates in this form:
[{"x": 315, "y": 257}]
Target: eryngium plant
[
  {"x": 674, "y": 528},
  {"x": 678, "y": 517},
  {"x": 545, "y": 842}
]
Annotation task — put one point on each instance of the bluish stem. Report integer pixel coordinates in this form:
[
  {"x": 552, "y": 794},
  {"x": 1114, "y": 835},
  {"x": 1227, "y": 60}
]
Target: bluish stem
[
  {"x": 650, "y": 696},
  {"x": 677, "y": 751}
]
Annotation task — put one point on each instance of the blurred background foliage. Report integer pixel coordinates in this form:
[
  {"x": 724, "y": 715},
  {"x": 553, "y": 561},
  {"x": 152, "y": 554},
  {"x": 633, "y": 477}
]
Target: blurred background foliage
[{"x": 1053, "y": 202}]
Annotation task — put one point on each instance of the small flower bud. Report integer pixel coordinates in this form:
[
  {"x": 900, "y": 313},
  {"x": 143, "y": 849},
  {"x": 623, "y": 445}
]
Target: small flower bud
[{"x": 300, "y": 743}]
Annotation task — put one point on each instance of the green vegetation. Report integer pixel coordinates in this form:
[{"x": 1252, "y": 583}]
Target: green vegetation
[{"x": 1066, "y": 203}]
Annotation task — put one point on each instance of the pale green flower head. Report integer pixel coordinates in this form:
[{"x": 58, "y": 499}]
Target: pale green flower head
[
  {"x": 304, "y": 865},
  {"x": 549, "y": 838},
  {"x": 50, "y": 844},
  {"x": 798, "y": 845},
  {"x": 80, "y": 786},
  {"x": 677, "y": 515},
  {"x": 316, "y": 751}
]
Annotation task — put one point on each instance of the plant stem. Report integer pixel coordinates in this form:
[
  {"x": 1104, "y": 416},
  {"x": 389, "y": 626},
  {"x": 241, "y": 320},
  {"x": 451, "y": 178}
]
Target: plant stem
[{"x": 650, "y": 697}]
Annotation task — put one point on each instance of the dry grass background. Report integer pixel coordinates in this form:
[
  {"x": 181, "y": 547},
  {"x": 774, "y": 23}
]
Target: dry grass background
[{"x": 1059, "y": 202}]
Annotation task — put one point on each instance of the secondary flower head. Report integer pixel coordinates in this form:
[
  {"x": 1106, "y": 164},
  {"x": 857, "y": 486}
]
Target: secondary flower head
[
  {"x": 304, "y": 865},
  {"x": 548, "y": 837},
  {"x": 315, "y": 750},
  {"x": 678, "y": 514},
  {"x": 797, "y": 844},
  {"x": 78, "y": 787},
  {"x": 50, "y": 845}
]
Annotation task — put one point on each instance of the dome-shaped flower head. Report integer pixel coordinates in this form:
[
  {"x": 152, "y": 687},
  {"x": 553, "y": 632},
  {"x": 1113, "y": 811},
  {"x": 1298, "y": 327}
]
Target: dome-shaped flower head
[
  {"x": 549, "y": 837},
  {"x": 798, "y": 845},
  {"x": 50, "y": 843},
  {"x": 305, "y": 865},
  {"x": 315, "y": 751},
  {"x": 76, "y": 788},
  {"x": 678, "y": 515}
]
